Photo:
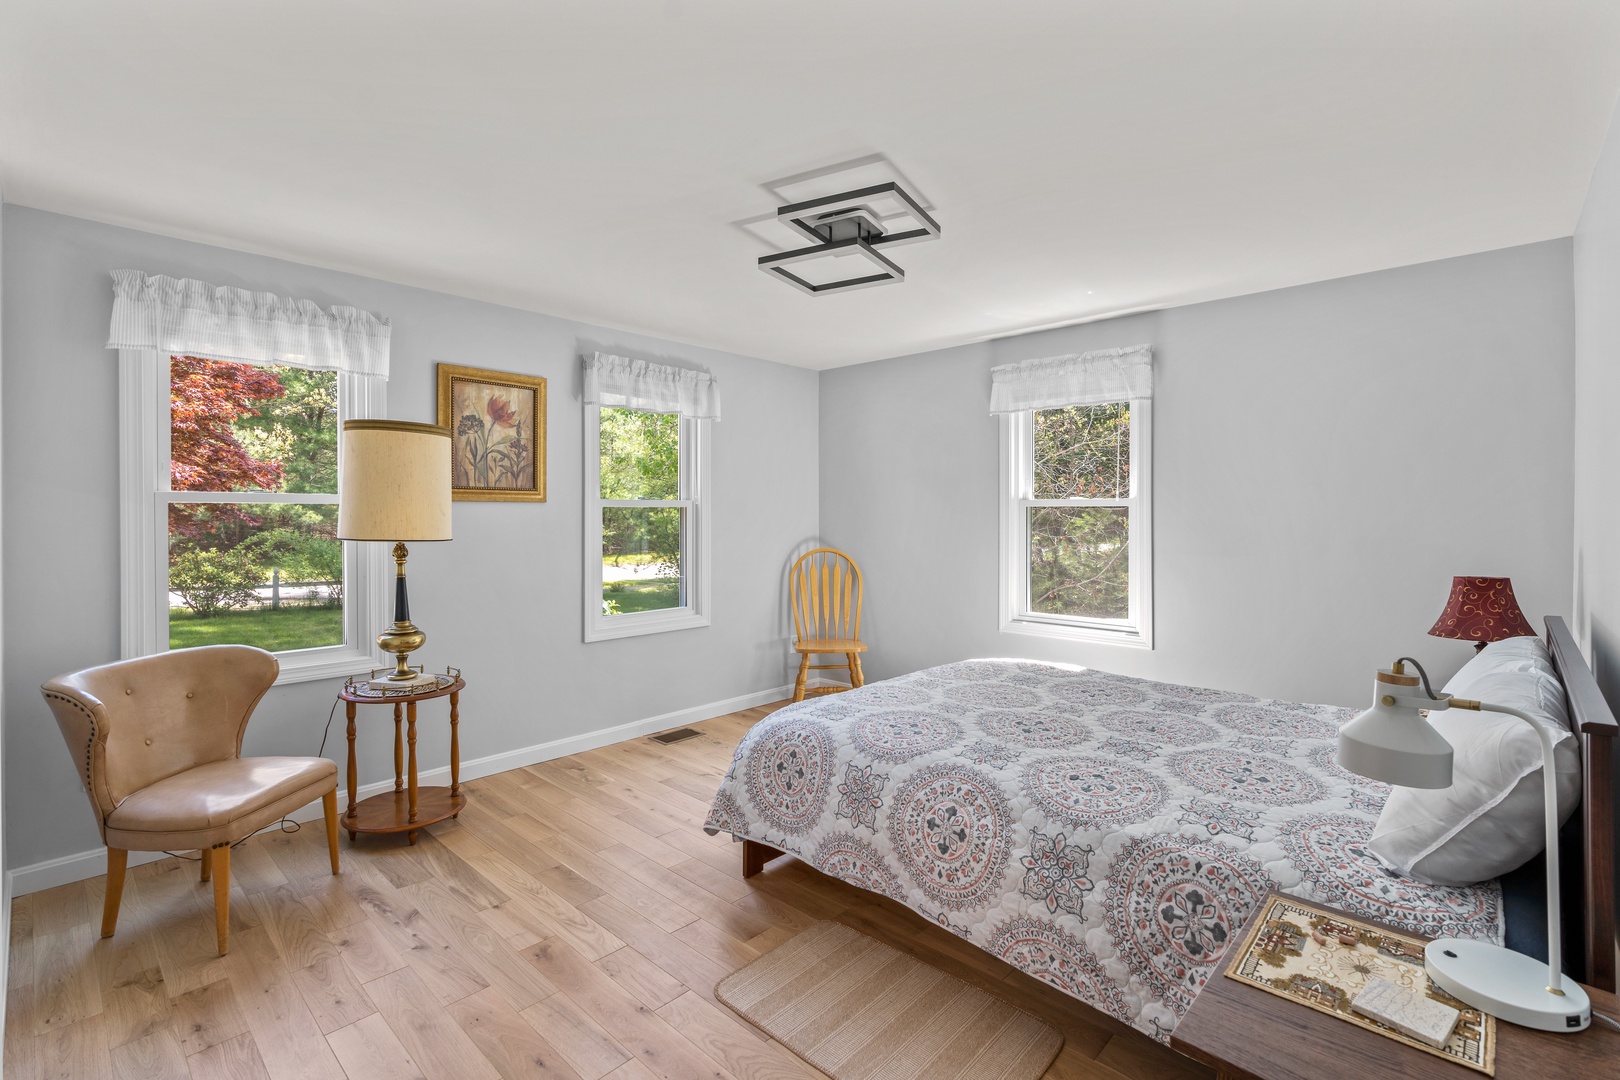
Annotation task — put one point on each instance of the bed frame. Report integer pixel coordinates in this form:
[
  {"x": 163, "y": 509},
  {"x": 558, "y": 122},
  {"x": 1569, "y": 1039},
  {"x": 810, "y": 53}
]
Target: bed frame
[{"x": 1586, "y": 845}]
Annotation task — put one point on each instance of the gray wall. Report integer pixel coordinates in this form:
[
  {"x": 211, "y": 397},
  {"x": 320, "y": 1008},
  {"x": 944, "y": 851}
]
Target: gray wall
[
  {"x": 1325, "y": 459},
  {"x": 1597, "y": 432},
  {"x": 502, "y": 600}
]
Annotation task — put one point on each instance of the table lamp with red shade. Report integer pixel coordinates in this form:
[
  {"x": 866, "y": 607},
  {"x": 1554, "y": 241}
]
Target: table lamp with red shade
[{"x": 1481, "y": 610}]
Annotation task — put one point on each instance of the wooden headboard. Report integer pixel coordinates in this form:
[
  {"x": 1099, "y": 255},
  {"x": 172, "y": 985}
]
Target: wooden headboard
[{"x": 1587, "y": 844}]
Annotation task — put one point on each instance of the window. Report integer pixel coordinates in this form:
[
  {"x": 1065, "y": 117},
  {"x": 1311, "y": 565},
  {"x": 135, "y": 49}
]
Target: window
[
  {"x": 645, "y": 531},
  {"x": 230, "y": 512},
  {"x": 1076, "y": 542}
]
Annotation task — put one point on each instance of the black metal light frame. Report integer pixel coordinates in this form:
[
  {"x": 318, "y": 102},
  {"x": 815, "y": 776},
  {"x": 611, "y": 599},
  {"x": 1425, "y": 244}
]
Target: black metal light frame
[{"x": 846, "y": 223}]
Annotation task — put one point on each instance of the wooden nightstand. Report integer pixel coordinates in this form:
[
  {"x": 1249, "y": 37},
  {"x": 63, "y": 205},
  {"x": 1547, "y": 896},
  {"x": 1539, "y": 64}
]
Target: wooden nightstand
[{"x": 1248, "y": 1034}]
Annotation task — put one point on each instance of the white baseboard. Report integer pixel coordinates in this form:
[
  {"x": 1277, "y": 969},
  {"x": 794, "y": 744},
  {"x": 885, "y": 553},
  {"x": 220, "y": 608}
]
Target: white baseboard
[{"x": 88, "y": 864}]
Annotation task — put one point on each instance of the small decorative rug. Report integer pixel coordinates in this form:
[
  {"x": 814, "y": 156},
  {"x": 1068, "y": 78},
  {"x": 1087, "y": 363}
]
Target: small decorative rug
[
  {"x": 1322, "y": 959},
  {"x": 859, "y": 1010}
]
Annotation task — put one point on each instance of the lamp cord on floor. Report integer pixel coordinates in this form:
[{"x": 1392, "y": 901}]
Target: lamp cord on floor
[{"x": 286, "y": 825}]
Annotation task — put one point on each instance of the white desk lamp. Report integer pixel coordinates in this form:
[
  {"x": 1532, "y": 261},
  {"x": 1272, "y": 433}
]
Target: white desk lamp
[{"x": 1392, "y": 742}]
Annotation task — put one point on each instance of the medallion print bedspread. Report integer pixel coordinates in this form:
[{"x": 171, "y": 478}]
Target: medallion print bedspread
[{"x": 1107, "y": 835}]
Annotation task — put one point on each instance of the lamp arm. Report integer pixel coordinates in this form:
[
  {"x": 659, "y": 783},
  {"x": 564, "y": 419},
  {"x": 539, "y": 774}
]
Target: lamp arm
[{"x": 1549, "y": 792}]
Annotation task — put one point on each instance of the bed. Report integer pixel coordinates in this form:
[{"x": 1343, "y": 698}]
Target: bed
[{"x": 1110, "y": 835}]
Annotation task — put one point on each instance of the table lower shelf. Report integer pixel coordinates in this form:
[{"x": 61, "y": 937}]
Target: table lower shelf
[{"x": 390, "y": 812}]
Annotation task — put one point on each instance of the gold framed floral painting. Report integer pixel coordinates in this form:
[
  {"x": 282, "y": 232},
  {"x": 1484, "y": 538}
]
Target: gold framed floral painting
[{"x": 497, "y": 423}]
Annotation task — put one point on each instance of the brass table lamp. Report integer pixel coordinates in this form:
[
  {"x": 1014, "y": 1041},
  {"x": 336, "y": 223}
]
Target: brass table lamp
[{"x": 395, "y": 487}]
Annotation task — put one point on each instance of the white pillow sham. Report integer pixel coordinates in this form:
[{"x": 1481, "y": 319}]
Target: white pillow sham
[
  {"x": 1490, "y": 820},
  {"x": 1510, "y": 655}
]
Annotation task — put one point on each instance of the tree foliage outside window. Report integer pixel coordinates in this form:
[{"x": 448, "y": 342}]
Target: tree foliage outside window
[
  {"x": 1083, "y": 452},
  {"x": 640, "y": 460},
  {"x": 245, "y": 428},
  {"x": 1079, "y": 555},
  {"x": 641, "y": 457}
]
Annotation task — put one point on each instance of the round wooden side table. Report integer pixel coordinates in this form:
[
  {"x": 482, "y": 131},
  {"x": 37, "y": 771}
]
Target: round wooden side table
[{"x": 407, "y": 808}]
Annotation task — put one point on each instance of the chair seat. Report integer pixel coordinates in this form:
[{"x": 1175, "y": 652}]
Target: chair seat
[
  {"x": 830, "y": 645},
  {"x": 220, "y": 802}
]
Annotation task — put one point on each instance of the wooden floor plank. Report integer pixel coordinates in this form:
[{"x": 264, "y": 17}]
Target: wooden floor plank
[
  {"x": 669, "y": 952},
  {"x": 369, "y": 1050},
  {"x": 501, "y": 965},
  {"x": 20, "y": 954},
  {"x": 295, "y": 928},
  {"x": 207, "y": 1016},
  {"x": 509, "y": 1042},
  {"x": 334, "y": 996},
  {"x": 643, "y": 978},
  {"x": 447, "y": 973},
  {"x": 153, "y": 1057},
  {"x": 74, "y": 1051},
  {"x": 66, "y": 988},
  {"x": 438, "y": 1046},
  {"x": 646, "y": 1035},
  {"x": 571, "y": 924},
  {"x": 290, "y": 1043},
  {"x": 364, "y": 950},
  {"x": 733, "y": 1043},
  {"x": 233, "y": 1059},
  {"x": 582, "y": 1042}
]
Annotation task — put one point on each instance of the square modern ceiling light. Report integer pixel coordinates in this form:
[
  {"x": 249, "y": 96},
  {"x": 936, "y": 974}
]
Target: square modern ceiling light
[{"x": 849, "y": 228}]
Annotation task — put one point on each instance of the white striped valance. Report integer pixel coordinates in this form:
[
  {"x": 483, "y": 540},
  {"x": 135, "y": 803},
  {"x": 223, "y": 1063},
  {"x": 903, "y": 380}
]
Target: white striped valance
[
  {"x": 181, "y": 316},
  {"x": 620, "y": 382},
  {"x": 1092, "y": 378}
]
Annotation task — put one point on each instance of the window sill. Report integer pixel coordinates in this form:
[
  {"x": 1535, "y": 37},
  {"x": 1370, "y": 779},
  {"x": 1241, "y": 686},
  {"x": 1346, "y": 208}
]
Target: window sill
[
  {"x": 337, "y": 662},
  {"x": 612, "y": 627},
  {"x": 1129, "y": 637}
]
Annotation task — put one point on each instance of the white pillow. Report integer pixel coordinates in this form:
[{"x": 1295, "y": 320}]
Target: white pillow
[
  {"x": 1490, "y": 820},
  {"x": 1508, "y": 655}
]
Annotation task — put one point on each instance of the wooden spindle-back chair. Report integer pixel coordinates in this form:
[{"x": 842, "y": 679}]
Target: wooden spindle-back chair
[{"x": 825, "y": 586}]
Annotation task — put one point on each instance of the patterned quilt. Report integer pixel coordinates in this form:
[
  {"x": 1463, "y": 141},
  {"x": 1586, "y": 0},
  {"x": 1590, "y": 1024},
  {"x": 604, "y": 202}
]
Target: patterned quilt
[{"x": 1105, "y": 834}]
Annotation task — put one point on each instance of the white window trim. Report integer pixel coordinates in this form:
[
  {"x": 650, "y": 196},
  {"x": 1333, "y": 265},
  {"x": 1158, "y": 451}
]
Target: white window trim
[
  {"x": 694, "y": 482},
  {"x": 1017, "y": 451},
  {"x": 144, "y": 496}
]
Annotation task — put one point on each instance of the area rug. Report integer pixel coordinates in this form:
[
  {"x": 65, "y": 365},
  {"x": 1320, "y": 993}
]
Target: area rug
[{"x": 859, "y": 1010}]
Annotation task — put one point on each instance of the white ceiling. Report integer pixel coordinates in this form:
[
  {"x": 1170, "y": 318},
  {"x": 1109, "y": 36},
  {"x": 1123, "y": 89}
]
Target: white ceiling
[{"x": 594, "y": 158}]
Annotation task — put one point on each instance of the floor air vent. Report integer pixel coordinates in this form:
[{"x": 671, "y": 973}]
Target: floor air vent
[{"x": 678, "y": 735}]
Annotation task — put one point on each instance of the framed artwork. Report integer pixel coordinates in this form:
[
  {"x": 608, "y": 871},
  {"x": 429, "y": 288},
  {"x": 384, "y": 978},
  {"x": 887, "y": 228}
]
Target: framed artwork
[{"x": 497, "y": 425}]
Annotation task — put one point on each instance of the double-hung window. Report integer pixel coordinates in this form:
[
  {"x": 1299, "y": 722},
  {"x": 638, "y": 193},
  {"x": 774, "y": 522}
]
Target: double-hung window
[
  {"x": 1076, "y": 549},
  {"x": 646, "y": 480},
  {"x": 230, "y": 490}
]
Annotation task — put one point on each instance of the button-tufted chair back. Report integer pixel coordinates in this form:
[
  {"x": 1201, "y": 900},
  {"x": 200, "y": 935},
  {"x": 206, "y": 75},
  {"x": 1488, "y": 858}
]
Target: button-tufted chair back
[{"x": 135, "y": 722}]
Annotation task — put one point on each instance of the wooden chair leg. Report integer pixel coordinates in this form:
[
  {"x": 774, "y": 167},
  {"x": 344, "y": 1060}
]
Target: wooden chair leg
[
  {"x": 207, "y": 863},
  {"x": 856, "y": 671},
  {"x": 329, "y": 807},
  {"x": 804, "y": 673},
  {"x": 117, "y": 862},
  {"x": 222, "y": 896},
  {"x": 849, "y": 661}
]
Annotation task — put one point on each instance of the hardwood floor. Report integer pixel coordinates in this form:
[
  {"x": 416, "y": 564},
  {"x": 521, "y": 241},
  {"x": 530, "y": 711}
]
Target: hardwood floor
[{"x": 572, "y": 925}]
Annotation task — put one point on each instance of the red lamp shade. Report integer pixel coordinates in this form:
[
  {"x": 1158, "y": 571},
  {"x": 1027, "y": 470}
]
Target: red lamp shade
[{"x": 1481, "y": 609}]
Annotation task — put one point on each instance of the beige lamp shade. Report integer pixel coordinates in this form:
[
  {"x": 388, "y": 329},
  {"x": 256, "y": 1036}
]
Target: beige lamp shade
[{"x": 395, "y": 482}]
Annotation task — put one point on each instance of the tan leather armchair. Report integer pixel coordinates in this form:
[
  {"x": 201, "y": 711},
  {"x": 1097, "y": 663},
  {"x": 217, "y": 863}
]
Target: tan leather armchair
[{"x": 158, "y": 744}]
